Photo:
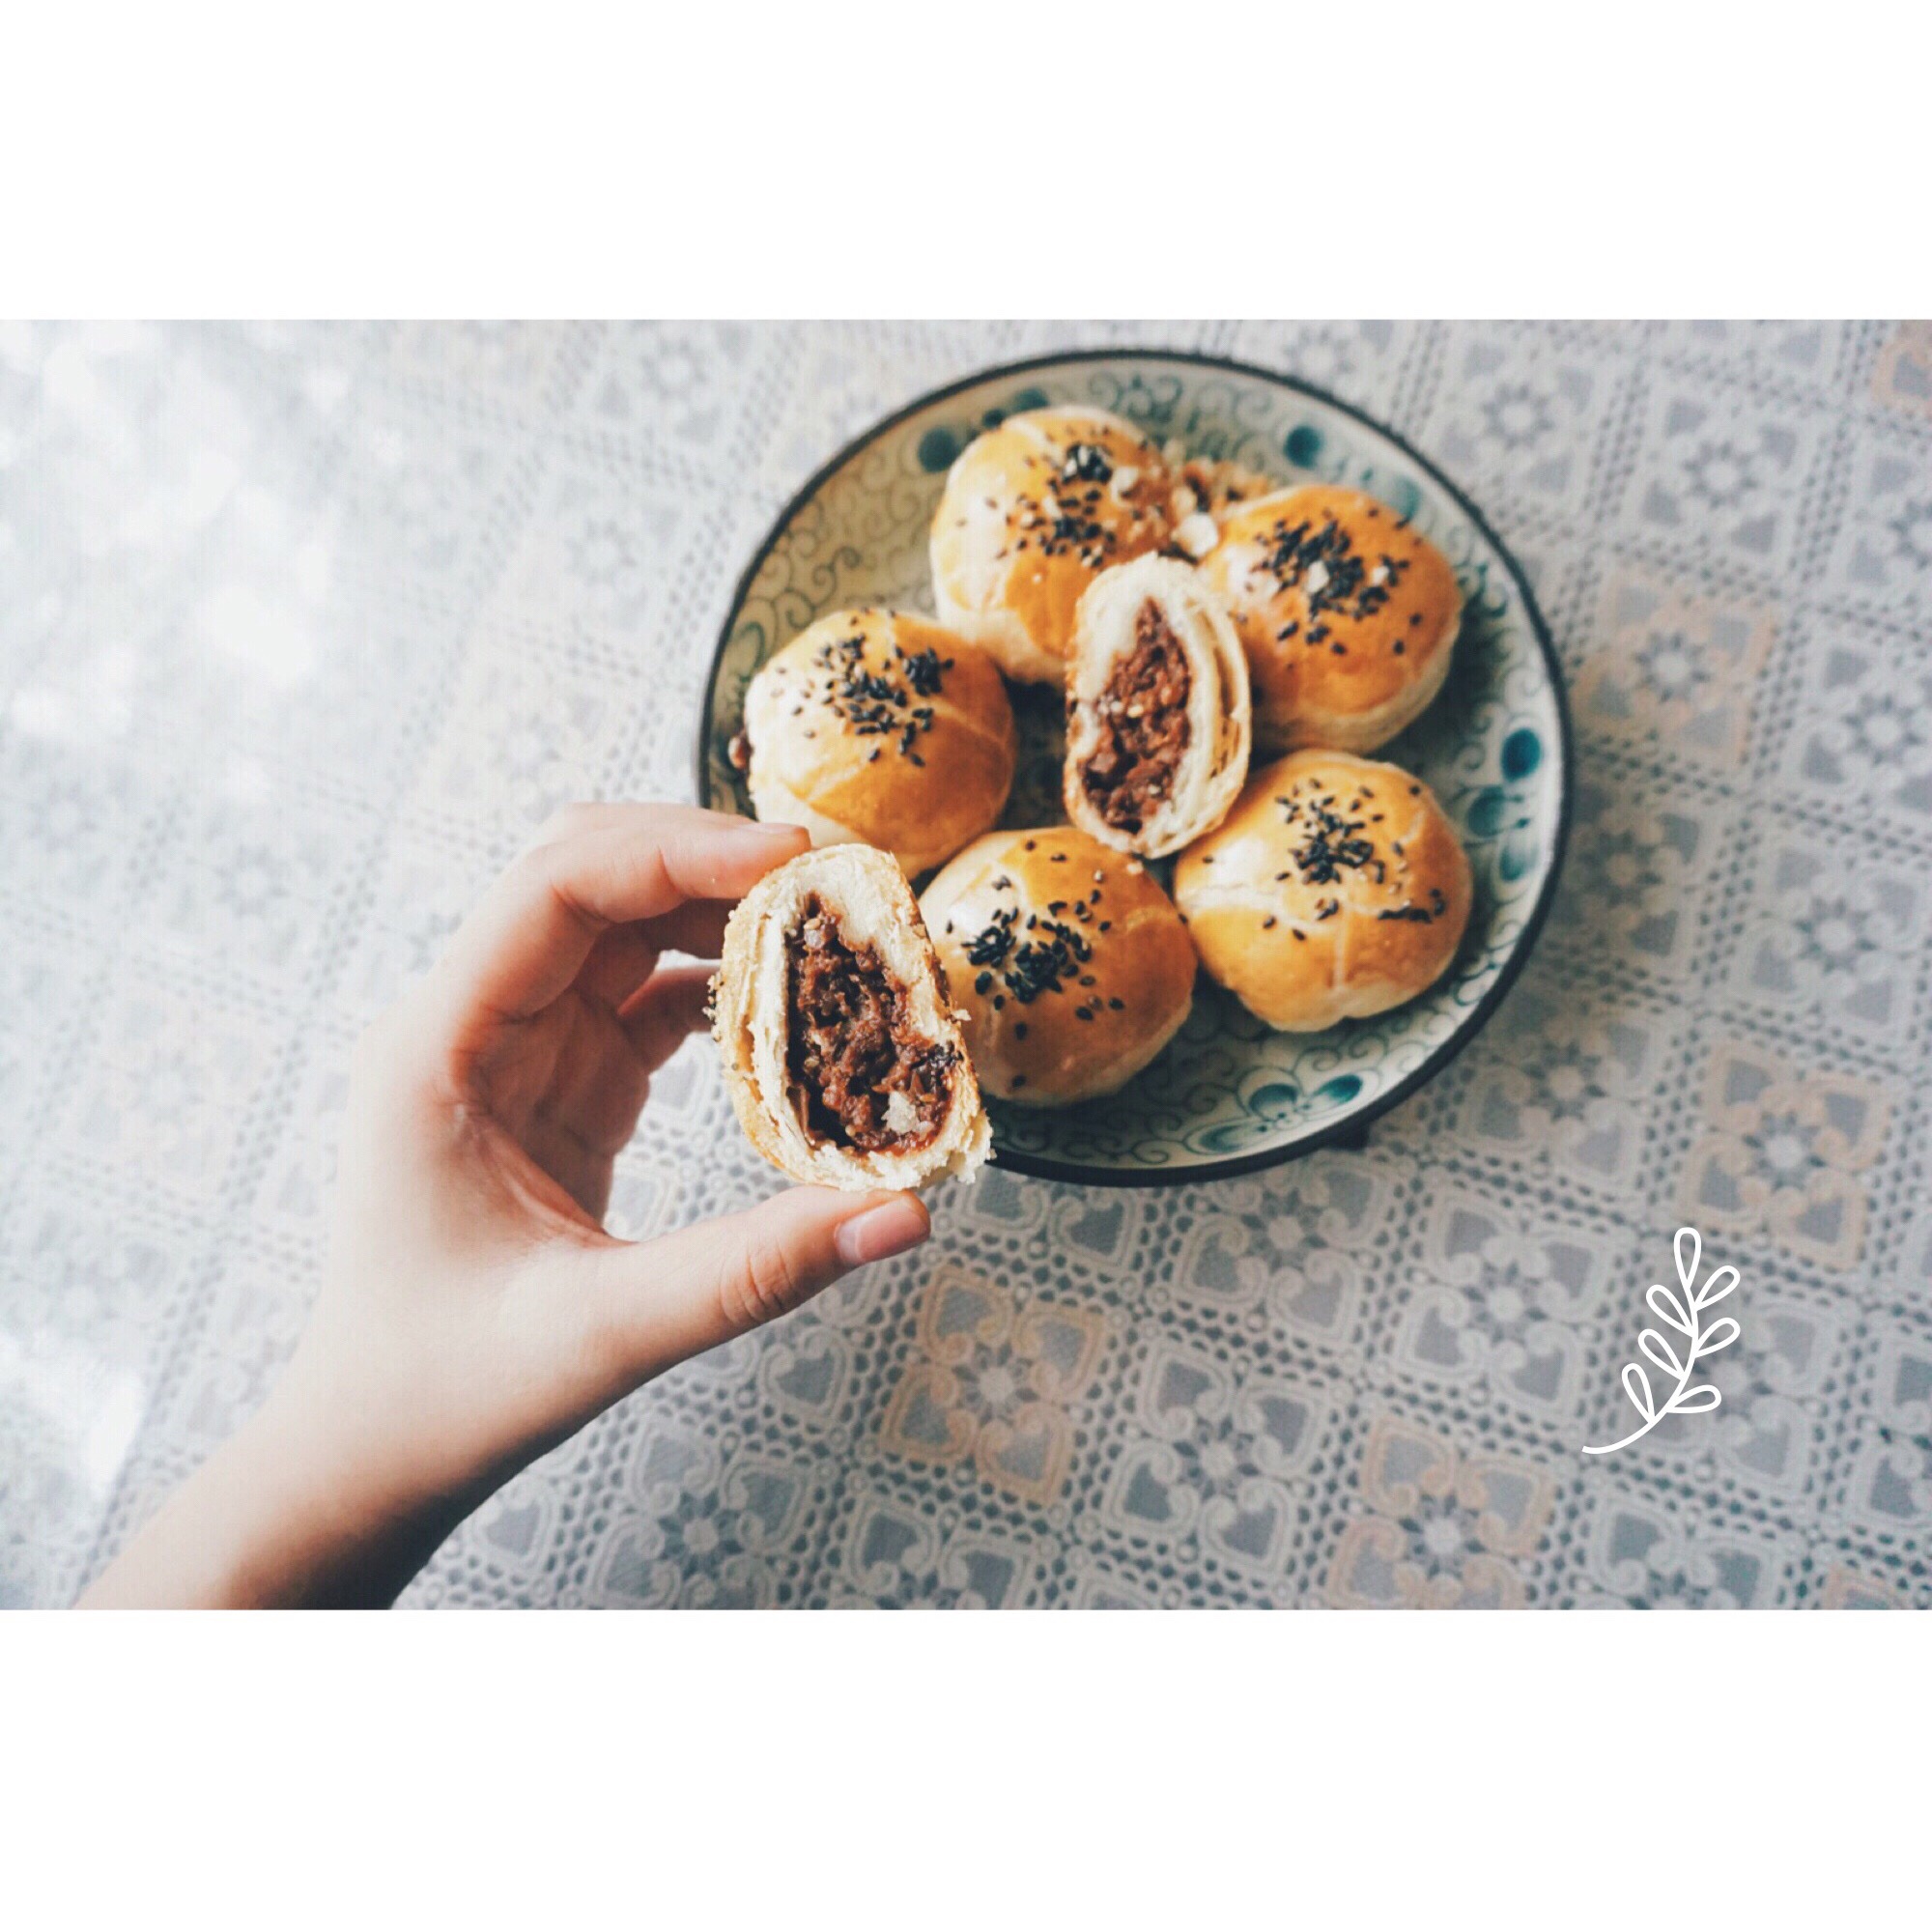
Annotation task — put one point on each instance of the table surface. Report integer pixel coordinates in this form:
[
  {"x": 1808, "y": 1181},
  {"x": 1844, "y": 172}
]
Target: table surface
[{"x": 302, "y": 629}]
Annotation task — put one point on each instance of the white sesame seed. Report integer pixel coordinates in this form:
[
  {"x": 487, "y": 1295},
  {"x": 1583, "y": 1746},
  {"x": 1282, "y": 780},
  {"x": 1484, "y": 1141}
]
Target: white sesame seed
[{"x": 1197, "y": 534}]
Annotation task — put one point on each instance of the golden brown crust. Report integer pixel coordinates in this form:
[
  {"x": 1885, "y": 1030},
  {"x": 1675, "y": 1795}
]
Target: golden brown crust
[
  {"x": 1024, "y": 988},
  {"x": 1335, "y": 889},
  {"x": 1347, "y": 613},
  {"x": 881, "y": 728},
  {"x": 1028, "y": 519},
  {"x": 874, "y": 905}
]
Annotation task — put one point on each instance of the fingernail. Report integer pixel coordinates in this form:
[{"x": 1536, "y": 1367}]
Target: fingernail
[{"x": 877, "y": 1233}]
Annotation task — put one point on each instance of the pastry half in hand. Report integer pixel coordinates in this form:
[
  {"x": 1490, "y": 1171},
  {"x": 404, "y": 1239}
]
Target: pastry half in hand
[
  {"x": 881, "y": 728},
  {"x": 1157, "y": 712},
  {"x": 840, "y": 1051},
  {"x": 1334, "y": 890}
]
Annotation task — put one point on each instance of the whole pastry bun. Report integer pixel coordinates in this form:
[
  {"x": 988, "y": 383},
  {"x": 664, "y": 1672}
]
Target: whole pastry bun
[
  {"x": 1031, "y": 512},
  {"x": 1335, "y": 889},
  {"x": 881, "y": 728},
  {"x": 1348, "y": 614},
  {"x": 1158, "y": 723},
  {"x": 840, "y": 1051},
  {"x": 1069, "y": 962}
]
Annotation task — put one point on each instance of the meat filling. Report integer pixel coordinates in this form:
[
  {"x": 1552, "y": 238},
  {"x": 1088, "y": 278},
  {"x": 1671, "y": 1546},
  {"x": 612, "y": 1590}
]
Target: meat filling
[
  {"x": 861, "y": 1073},
  {"x": 1143, "y": 715}
]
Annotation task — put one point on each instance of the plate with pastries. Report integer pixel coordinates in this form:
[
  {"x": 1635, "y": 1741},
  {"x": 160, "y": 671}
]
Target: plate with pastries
[{"x": 1187, "y": 769}]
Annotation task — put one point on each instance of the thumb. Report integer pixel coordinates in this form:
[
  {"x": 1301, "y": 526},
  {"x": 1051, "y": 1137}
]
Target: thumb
[{"x": 683, "y": 1292}]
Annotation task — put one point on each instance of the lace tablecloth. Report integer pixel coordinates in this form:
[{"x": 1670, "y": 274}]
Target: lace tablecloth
[{"x": 302, "y": 630}]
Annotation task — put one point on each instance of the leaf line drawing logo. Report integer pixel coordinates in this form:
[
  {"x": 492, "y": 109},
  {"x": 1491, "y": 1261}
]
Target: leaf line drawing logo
[{"x": 1686, "y": 1315}]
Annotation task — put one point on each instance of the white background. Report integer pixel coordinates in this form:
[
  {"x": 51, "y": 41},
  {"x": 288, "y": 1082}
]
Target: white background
[{"x": 991, "y": 160}]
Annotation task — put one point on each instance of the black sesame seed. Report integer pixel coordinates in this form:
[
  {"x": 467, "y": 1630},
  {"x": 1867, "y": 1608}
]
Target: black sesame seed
[
  {"x": 875, "y": 703},
  {"x": 1085, "y": 463},
  {"x": 1331, "y": 847}
]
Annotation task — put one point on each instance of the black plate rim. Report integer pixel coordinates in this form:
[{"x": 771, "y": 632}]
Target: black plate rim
[{"x": 1040, "y": 1166}]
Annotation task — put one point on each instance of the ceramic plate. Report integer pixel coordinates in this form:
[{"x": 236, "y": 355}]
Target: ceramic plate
[{"x": 1227, "y": 1094}]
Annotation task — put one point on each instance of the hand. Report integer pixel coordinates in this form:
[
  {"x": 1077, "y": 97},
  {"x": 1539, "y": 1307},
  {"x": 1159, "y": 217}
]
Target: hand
[{"x": 474, "y": 1312}]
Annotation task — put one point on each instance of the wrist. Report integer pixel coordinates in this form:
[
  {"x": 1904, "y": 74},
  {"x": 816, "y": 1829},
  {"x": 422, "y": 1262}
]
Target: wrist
[
  {"x": 352, "y": 1490},
  {"x": 298, "y": 1510}
]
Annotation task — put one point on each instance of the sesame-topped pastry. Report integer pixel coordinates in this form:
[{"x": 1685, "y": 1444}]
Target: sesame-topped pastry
[
  {"x": 1348, "y": 614},
  {"x": 881, "y": 728},
  {"x": 1334, "y": 890},
  {"x": 1156, "y": 709},
  {"x": 1069, "y": 964},
  {"x": 1031, "y": 512}
]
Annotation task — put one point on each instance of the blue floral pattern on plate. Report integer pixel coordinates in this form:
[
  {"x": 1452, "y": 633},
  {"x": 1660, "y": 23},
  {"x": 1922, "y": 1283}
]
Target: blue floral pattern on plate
[{"x": 1228, "y": 1094}]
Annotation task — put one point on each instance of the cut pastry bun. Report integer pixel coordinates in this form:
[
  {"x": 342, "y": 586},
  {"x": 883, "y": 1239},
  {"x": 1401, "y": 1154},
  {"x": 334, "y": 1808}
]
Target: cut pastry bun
[
  {"x": 1158, "y": 709},
  {"x": 1347, "y": 613},
  {"x": 841, "y": 1050},
  {"x": 1069, "y": 964},
  {"x": 1031, "y": 512},
  {"x": 1335, "y": 889},
  {"x": 883, "y": 729}
]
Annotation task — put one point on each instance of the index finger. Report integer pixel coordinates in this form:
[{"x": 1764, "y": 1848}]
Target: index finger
[{"x": 530, "y": 935}]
